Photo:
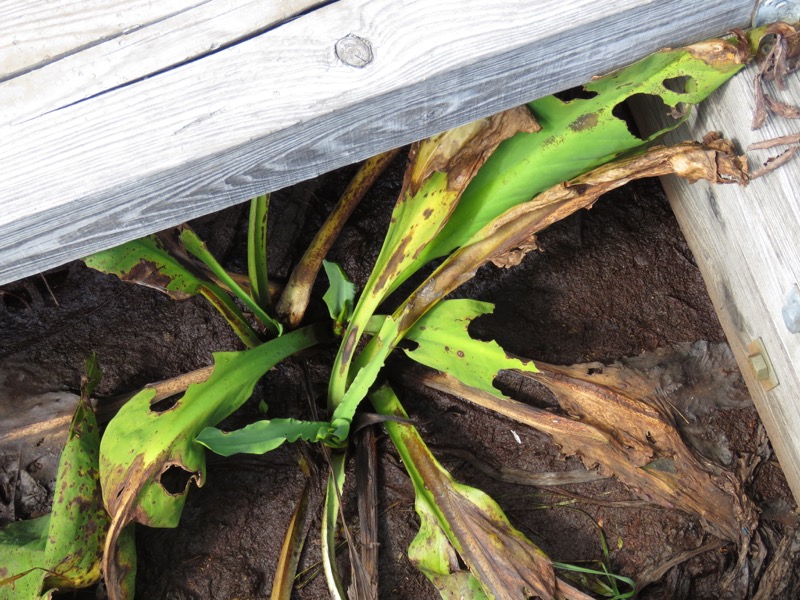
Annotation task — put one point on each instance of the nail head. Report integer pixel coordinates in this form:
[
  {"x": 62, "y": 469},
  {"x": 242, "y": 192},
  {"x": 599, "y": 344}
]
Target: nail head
[{"x": 354, "y": 51}]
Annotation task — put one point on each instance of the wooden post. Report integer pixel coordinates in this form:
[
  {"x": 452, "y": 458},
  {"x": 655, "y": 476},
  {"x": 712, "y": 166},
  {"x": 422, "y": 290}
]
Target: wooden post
[
  {"x": 747, "y": 244},
  {"x": 120, "y": 118}
]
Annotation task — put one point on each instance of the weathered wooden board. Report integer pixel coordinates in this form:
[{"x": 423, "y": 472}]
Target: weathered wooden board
[
  {"x": 747, "y": 244},
  {"x": 120, "y": 144}
]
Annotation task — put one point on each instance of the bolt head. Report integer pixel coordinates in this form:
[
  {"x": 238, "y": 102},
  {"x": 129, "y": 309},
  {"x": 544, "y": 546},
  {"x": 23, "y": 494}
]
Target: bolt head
[{"x": 760, "y": 367}]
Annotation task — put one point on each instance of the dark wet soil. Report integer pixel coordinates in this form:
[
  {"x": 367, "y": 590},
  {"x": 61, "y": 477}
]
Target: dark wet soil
[{"x": 616, "y": 283}]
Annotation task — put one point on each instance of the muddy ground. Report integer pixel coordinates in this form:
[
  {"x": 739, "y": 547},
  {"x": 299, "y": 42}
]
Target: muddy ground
[{"x": 617, "y": 283}]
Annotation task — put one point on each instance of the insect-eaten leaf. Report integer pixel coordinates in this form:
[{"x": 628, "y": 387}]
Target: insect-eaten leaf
[
  {"x": 583, "y": 133},
  {"x": 62, "y": 550},
  {"x": 146, "y": 445},
  {"x": 340, "y": 296},
  {"x": 445, "y": 345}
]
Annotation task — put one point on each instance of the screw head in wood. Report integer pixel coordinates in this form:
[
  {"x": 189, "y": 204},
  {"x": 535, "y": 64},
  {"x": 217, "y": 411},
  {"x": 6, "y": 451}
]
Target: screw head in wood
[{"x": 354, "y": 51}]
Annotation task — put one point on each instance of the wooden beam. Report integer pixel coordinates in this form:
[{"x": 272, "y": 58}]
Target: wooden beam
[
  {"x": 745, "y": 241},
  {"x": 121, "y": 144}
]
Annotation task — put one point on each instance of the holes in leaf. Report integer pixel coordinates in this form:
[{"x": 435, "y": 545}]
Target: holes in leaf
[
  {"x": 166, "y": 404},
  {"x": 175, "y": 480},
  {"x": 654, "y": 102},
  {"x": 578, "y": 93},
  {"x": 680, "y": 85}
]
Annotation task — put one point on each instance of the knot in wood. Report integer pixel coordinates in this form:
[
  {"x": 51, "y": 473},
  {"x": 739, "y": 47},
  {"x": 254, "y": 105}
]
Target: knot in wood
[{"x": 354, "y": 51}]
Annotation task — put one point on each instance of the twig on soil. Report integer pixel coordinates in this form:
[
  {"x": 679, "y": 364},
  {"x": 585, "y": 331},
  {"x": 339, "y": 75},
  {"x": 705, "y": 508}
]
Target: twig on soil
[
  {"x": 655, "y": 573},
  {"x": 47, "y": 285}
]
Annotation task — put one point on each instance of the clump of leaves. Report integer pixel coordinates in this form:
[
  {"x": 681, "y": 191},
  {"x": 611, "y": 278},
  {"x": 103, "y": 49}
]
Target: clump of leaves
[{"x": 477, "y": 193}]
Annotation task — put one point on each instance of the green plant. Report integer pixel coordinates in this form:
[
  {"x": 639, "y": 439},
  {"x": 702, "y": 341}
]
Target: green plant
[{"x": 475, "y": 194}]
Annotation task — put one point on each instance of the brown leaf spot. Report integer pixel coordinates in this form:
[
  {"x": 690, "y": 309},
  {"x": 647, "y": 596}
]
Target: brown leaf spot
[
  {"x": 392, "y": 268},
  {"x": 584, "y": 122}
]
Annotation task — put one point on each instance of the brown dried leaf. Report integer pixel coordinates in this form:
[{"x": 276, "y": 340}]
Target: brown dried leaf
[
  {"x": 609, "y": 423},
  {"x": 513, "y": 257},
  {"x": 505, "y": 562},
  {"x": 777, "y": 62},
  {"x": 775, "y": 162},
  {"x": 460, "y": 152}
]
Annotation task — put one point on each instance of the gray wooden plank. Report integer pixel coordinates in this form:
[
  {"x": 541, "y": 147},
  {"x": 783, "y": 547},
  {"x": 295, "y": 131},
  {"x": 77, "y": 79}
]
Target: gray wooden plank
[
  {"x": 745, "y": 241},
  {"x": 35, "y": 32},
  {"x": 282, "y": 107},
  {"x": 135, "y": 45}
]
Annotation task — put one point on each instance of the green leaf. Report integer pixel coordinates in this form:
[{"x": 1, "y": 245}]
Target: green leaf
[
  {"x": 368, "y": 366},
  {"x": 141, "y": 443},
  {"x": 91, "y": 377},
  {"x": 581, "y": 134},
  {"x": 257, "y": 250},
  {"x": 195, "y": 246},
  {"x": 22, "y": 548},
  {"x": 149, "y": 262},
  {"x": 340, "y": 295},
  {"x": 445, "y": 344},
  {"x": 330, "y": 517},
  {"x": 61, "y": 550},
  {"x": 431, "y": 552},
  {"x": 78, "y": 522},
  {"x": 263, "y": 436}
]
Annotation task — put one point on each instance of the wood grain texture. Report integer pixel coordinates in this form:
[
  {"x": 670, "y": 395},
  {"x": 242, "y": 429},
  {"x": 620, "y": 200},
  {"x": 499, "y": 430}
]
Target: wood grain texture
[
  {"x": 747, "y": 244},
  {"x": 281, "y": 107},
  {"x": 130, "y": 49}
]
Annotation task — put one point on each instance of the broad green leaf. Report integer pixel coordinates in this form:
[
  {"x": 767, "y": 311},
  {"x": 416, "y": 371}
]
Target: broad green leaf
[
  {"x": 257, "y": 250},
  {"x": 445, "y": 344},
  {"x": 141, "y": 443},
  {"x": 581, "y": 134},
  {"x": 502, "y": 559},
  {"x": 263, "y": 436},
  {"x": 149, "y": 262},
  {"x": 340, "y": 295},
  {"x": 61, "y": 550},
  {"x": 78, "y": 522},
  {"x": 22, "y": 548}
]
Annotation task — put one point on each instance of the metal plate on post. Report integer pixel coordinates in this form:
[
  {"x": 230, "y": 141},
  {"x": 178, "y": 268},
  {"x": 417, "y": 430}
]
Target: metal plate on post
[{"x": 761, "y": 365}]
